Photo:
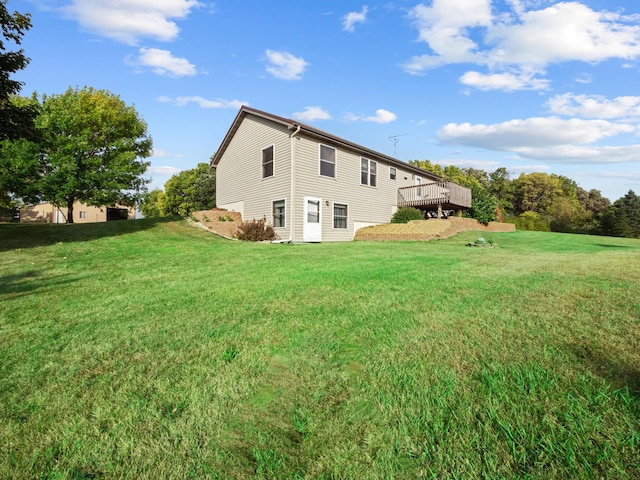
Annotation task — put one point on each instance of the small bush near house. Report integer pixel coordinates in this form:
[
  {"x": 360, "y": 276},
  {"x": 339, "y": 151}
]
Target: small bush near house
[
  {"x": 406, "y": 214},
  {"x": 256, "y": 231}
]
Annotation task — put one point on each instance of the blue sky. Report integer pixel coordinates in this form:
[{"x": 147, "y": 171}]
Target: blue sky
[{"x": 530, "y": 85}]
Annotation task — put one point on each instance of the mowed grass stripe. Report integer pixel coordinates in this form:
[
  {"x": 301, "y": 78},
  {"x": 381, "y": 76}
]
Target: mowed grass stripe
[{"x": 150, "y": 349}]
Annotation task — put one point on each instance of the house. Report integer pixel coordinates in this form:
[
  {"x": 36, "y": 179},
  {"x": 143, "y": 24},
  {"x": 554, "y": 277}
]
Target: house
[
  {"x": 313, "y": 186},
  {"x": 48, "y": 213}
]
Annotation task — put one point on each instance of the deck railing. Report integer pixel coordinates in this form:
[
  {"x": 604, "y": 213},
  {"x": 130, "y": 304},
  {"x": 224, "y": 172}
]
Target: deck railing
[{"x": 437, "y": 193}]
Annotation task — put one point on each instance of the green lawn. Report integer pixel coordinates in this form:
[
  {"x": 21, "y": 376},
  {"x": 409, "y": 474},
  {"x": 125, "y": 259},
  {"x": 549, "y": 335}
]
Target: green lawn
[{"x": 152, "y": 349}]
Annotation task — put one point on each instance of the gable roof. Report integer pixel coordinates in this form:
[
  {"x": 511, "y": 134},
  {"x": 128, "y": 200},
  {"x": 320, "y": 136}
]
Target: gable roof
[{"x": 318, "y": 134}]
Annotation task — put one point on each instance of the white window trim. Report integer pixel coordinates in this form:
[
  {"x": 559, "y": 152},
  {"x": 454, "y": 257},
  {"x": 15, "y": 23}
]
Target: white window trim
[
  {"x": 273, "y": 220},
  {"x": 396, "y": 174},
  {"x": 368, "y": 184},
  {"x": 273, "y": 162},
  {"x": 335, "y": 162},
  {"x": 333, "y": 216}
]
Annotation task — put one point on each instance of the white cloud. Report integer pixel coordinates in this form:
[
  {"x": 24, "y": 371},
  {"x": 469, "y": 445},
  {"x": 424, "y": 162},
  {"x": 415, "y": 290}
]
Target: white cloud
[
  {"x": 526, "y": 39},
  {"x": 465, "y": 163},
  {"x": 381, "y": 116},
  {"x": 163, "y": 170},
  {"x": 581, "y": 155},
  {"x": 312, "y": 113},
  {"x": 595, "y": 106},
  {"x": 130, "y": 20},
  {"x": 516, "y": 135},
  {"x": 444, "y": 26},
  {"x": 162, "y": 62},
  {"x": 549, "y": 139},
  {"x": 529, "y": 168},
  {"x": 350, "y": 20},
  {"x": 584, "y": 78},
  {"x": 567, "y": 31},
  {"x": 158, "y": 153},
  {"x": 285, "y": 66},
  {"x": 203, "y": 102},
  {"x": 503, "y": 81}
]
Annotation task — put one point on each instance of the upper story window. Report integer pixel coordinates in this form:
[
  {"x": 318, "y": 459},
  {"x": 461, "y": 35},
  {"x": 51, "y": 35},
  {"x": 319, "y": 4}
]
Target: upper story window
[
  {"x": 368, "y": 172},
  {"x": 392, "y": 173},
  {"x": 267, "y": 162},
  {"x": 327, "y": 161}
]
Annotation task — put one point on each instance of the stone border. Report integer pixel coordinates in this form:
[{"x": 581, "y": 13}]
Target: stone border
[{"x": 429, "y": 229}]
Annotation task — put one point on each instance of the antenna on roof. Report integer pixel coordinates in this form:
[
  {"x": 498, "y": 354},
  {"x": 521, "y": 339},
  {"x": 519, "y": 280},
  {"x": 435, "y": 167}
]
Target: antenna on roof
[{"x": 394, "y": 139}]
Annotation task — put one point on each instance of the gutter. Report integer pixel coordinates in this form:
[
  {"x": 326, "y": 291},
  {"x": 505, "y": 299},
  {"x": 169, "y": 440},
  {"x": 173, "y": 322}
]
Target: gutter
[{"x": 292, "y": 194}]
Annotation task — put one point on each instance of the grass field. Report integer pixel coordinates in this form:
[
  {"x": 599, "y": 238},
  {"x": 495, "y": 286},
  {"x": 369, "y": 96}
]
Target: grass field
[{"x": 152, "y": 349}]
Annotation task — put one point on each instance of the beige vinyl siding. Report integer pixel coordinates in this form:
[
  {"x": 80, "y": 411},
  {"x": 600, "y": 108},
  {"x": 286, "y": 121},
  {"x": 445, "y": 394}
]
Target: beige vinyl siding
[
  {"x": 239, "y": 173},
  {"x": 366, "y": 204}
]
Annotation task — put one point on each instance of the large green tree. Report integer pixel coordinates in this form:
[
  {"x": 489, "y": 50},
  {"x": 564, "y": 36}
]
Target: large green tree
[
  {"x": 188, "y": 191},
  {"x": 16, "y": 120},
  {"x": 622, "y": 219},
  {"x": 89, "y": 147}
]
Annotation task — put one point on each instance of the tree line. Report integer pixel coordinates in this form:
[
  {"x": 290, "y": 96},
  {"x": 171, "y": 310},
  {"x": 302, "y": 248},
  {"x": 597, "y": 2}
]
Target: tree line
[{"x": 541, "y": 201}]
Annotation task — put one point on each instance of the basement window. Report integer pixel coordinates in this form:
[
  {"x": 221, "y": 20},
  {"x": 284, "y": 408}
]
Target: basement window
[
  {"x": 278, "y": 214},
  {"x": 339, "y": 215}
]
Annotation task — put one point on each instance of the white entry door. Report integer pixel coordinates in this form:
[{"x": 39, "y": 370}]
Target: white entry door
[{"x": 312, "y": 227}]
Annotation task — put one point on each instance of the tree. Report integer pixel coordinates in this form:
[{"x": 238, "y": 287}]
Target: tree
[
  {"x": 428, "y": 166},
  {"x": 188, "y": 191},
  {"x": 501, "y": 187},
  {"x": 88, "y": 148},
  {"x": 483, "y": 205},
  {"x": 16, "y": 120},
  {"x": 622, "y": 219},
  {"x": 535, "y": 192},
  {"x": 150, "y": 203}
]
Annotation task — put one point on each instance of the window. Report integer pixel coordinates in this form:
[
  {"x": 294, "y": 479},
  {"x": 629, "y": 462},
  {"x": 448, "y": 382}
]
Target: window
[
  {"x": 267, "y": 162},
  {"x": 83, "y": 214},
  {"x": 339, "y": 216},
  {"x": 368, "y": 172},
  {"x": 278, "y": 213},
  {"x": 392, "y": 173},
  {"x": 313, "y": 211},
  {"x": 327, "y": 161}
]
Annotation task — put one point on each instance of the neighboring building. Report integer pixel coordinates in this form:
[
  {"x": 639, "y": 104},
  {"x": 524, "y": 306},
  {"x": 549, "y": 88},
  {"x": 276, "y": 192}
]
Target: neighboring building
[
  {"x": 48, "y": 213},
  {"x": 313, "y": 186}
]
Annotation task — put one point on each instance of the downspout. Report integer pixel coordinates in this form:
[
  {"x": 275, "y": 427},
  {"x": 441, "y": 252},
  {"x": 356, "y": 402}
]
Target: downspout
[{"x": 292, "y": 197}]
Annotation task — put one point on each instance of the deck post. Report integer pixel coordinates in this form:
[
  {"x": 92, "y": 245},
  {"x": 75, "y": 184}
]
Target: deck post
[{"x": 439, "y": 210}]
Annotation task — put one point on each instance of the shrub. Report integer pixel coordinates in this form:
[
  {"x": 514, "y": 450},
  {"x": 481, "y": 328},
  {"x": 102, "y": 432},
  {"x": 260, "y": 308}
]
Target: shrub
[
  {"x": 532, "y": 221},
  {"x": 406, "y": 214},
  {"x": 256, "y": 231}
]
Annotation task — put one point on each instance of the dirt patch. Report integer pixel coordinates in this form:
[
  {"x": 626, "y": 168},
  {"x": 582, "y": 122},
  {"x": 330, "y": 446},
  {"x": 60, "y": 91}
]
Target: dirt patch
[
  {"x": 220, "y": 221},
  {"x": 429, "y": 229}
]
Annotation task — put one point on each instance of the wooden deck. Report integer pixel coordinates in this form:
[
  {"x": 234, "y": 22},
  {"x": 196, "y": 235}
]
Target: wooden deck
[{"x": 432, "y": 195}]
